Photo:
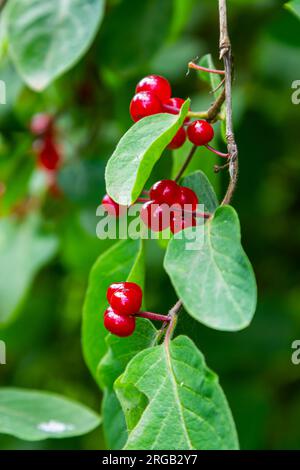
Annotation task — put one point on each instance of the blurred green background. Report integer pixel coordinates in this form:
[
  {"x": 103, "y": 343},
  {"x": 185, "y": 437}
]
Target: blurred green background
[{"x": 91, "y": 104}]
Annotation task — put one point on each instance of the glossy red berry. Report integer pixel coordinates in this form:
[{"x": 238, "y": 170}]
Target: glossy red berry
[
  {"x": 112, "y": 207},
  {"x": 158, "y": 85},
  {"x": 178, "y": 140},
  {"x": 125, "y": 297},
  {"x": 179, "y": 222},
  {"x": 144, "y": 104},
  {"x": 41, "y": 123},
  {"x": 48, "y": 155},
  {"x": 200, "y": 132},
  {"x": 173, "y": 106},
  {"x": 120, "y": 285},
  {"x": 117, "y": 324},
  {"x": 188, "y": 197},
  {"x": 155, "y": 216},
  {"x": 165, "y": 192}
]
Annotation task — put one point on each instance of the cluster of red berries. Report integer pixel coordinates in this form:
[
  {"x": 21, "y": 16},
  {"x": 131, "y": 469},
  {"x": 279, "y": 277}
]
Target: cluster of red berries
[
  {"x": 169, "y": 205},
  {"x": 153, "y": 96},
  {"x": 46, "y": 148},
  {"x": 166, "y": 207},
  {"x": 125, "y": 299}
]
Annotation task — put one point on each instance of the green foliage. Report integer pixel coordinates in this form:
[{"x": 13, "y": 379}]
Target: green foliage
[
  {"x": 147, "y": 27},
  {"x": 33, "y": 415},
  {"x": 24, "y": 249},
  {"x": 130, "y": 165},
  {"x": 294, "y": 6},
  {"x": 201, "y": 185},
  {"x": 215, "y": 280},
  {"x": 44, "y": 264},
  {"x": 41, "y": 36},
  {"x": 171, "y": 400},
  {"x": 119, "y": 353}
]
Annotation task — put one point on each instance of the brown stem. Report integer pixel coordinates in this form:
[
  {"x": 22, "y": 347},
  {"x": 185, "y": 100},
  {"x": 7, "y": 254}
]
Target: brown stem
[
  {"x": 214, "y": 110},
  {"x": 226, "y": 55},
  {"x": 173, "y": 313}
]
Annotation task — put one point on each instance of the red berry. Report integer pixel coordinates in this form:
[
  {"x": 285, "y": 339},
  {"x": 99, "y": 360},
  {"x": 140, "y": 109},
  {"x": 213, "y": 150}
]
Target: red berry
[
  {"x": 155, "y": 216},
  {"x": 48, "y": 154},
  {"x": 112, "y": 207},
  {"x": 179, "y": 222},
  {"x": 178, "y": 140},
  {"x": 173, "y": 106},
  {"x": 157, "y": 85},
  {"x": 127, "y": 300},
  {"x": 188, "y": 197},
  {"x": 41, "y": 123},
  {"x": 118, "y": 324},
  {"x": 200, "y": 132},
  {"x": 144, "y": 104},
  {"x": 165, "y": 192},
  {"x": 120, "y": 285}
]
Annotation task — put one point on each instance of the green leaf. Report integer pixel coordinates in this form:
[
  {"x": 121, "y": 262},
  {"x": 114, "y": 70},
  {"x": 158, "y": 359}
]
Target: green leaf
[
  {"x": 47, "y": 38},
  {"x": 212, "y": 79},
  {"x": 119, "y": 352},
  {"x": 115, "y": 265},
  {"x": 24, "y": 249},
  {"x": 32, "y": 415},
  {"x": 131, "y": 164},
  {"x": 127, "y": 56},
  {"x": 171, "y": 400},
  {"x": 200, "y": 184},
  {"x": 215, "y": 282},
  {"x": 294, "y": 7}
]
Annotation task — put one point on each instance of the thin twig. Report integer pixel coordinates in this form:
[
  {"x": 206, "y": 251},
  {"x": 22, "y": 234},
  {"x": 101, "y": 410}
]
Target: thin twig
[
  {"x": 186, "y": 163},
  {"x": 218, "y": 168},
  {"x": 153, "y": 316},
  {"x": 214, "y": 110},
  {"x": 212, "y": 113},
  {"x": 217, "y": 87},
  {"x": 192, "y": 65},
  {"x": 173, "y": 313},
  {"x": 226, "y": 55},
  {"x": 216, "y": 152}
]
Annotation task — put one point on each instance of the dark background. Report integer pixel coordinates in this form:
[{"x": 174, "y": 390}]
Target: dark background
[{"x": 135, "y": 39}]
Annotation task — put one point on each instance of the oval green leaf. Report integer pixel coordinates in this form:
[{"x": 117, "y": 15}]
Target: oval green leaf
[
  {"x": 215, "y": 282},
  {"x": 172, "y": 401},
  {"x": 32, "y": 415},
  {"x": 131, "y": 164},
  {"x": 46, "y": 38}
]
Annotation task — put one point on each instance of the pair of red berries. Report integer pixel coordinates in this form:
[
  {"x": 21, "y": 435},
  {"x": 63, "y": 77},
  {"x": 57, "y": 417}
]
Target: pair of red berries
[
  {"x": 153, "y": 96},
  {"x": 166, "y": 207},
  {"x": 125, "y": 299}
]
